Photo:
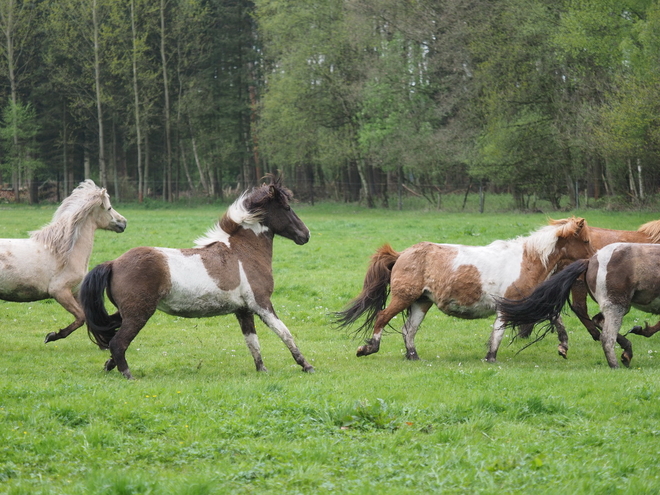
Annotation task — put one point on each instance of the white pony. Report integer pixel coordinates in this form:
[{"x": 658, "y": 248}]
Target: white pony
[{"x": 52, "y": 262}]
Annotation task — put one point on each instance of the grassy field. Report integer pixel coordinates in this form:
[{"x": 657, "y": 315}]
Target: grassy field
[{"x": 200, "y": 420}]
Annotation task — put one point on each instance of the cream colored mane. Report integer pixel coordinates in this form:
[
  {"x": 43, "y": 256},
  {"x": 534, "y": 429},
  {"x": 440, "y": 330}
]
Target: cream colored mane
[
  {"x": 62, "y": 233},
  {"x": 543, "y": 241},
  {"x": 651, "y": 229}
]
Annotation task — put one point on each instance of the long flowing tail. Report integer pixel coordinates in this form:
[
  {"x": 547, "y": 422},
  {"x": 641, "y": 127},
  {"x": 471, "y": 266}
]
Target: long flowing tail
[
  {"x": 374, "y": 293},
  {"x": 546, "y": 302},
  {"x": 101, "y": 326}
]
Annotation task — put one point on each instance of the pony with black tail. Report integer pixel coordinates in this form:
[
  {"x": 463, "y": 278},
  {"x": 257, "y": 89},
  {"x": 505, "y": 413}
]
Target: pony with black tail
[
  {"x": 229, "y": 271},
  {"x": 618, "y": 277},
  {"x": 460, "y": 280}
]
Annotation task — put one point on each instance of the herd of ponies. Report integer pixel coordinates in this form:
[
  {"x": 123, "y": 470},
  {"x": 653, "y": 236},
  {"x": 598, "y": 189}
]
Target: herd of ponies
[{"x": 522, "y": 282}]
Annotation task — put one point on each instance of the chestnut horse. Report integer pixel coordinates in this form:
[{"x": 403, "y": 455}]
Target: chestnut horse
[
  {"x": 617, "y": 277},
  {"x": 52, "y": 262},
  {"x": 461, "y": 280},
  {"x": 229, "y": 271},
  {"x": 599, "y": 238}
]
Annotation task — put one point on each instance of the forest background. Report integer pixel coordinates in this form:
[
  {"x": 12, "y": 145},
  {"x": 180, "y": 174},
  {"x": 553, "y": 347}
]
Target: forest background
[{"x": 353, "y": 100}]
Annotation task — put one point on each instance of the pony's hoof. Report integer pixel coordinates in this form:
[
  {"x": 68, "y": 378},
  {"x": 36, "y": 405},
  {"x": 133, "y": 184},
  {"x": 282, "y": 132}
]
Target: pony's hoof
[
  {"x": 127, "y": 374},
  {"x": 625, "y": 359},
  {"x": 309, "y": 369},
  {"x": 51, "y": 337},
  {"x": 490, "y": 358},
  {"x": 412, "y": 356},
  {"x": 362, "y": 351},
  {"x": 637, "y": 330},
  {"x": 109, "y": 365},
  {"x": 562, "y": 351}
]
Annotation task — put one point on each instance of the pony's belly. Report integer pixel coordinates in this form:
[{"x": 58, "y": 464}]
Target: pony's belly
[
  {"x": 192, "y": 304},
  {"x": 467, "y": 312},
  {"x": 652, "y": 307}
]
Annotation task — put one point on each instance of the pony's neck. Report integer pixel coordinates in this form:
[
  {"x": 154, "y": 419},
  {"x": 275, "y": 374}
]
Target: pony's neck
[
  {"x": 81, "y": 251},
  {"x": 261, "y": 242},
  {"x": 533, "y": 268}
]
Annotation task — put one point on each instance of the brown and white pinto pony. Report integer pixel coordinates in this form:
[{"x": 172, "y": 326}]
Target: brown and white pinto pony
[
  {"x": 229, "y": 271},
  {"x": 599, "y": 238},
  {"x": 462, "y": 281},
  {"x": 617, "y": 277},
  {"x": 52, "y": 262}
]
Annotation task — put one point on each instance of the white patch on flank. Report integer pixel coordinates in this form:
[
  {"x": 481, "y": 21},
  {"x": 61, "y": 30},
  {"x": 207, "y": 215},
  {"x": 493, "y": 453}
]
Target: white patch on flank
[
  {"x": 498, "y": 263},
  {"x": 194, "y": 294},
  {"x": 238, "y": 214},
  {"x": 603, "y": 256}
]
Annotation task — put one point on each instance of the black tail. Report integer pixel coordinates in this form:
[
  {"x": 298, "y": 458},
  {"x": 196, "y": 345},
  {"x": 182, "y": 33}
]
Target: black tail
[
  {"x": 374, "y": 293},
  {"x": 546, "y": 302},
  {"x": 101, "y": 326}
]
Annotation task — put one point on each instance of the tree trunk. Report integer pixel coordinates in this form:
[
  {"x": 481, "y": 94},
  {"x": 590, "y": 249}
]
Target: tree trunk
[
  {"x": 97, "y": 83},
  {"x": 166, "y": 109},
  {"x": 136, "y": 107}
]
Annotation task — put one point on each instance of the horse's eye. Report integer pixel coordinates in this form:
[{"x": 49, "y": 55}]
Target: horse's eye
[{"x": 287, "y": 208}]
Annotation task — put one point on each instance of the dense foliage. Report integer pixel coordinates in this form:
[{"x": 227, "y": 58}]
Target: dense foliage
[{"x": 352, "y": 99}]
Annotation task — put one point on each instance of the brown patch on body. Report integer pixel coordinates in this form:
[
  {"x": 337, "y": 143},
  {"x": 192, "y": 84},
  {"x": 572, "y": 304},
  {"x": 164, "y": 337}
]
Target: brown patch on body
[
  {"x": 140, "y": 276},
  {"x": 427, "y": 269}
]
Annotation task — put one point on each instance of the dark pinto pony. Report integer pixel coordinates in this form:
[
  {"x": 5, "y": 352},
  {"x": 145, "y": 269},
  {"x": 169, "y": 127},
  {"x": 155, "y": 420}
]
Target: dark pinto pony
[
  {"x": 230, "y": 271},
  {"x": 618, "y": 276},
  {"x": 460, "y": 280},
  {"x": 599, "y": 238}
]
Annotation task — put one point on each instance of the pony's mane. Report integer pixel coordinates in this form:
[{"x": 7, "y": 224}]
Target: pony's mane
[
  {"x": 543, "y": 241},
  {"x": 61, "y": 234},
  {"x": 651, "y": 229},
  {"x": 247, "y": 212}
]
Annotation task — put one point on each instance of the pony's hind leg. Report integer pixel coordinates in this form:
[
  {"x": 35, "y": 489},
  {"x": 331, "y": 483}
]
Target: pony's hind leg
[
  {"x": 131, "y": 326},
  {"x": 396, "y": 306},
  {"x": 562, "y": 335},
  {"x": 271, "y": 320},
  {"x": 612, "y": 323},
  {"x": 418, "y": 311},
  {"x": 68, "y": 302},
  {"x": 246, "y": 320}
]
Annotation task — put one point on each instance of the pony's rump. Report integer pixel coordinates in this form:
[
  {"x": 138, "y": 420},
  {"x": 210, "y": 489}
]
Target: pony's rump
[
  {"x": 375, "y": 290},
  {"x": 547, "y": 300},
  {"x": 101, "y": 326}
]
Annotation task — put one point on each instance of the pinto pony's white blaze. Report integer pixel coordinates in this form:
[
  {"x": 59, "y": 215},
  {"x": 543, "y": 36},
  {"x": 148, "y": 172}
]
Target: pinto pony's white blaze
[
  {"x": 230, "y": 271},
  {"x": 461, "y": 281},
  {"x": 52, "y": 262},
  {"x": 619, "y": 276}
]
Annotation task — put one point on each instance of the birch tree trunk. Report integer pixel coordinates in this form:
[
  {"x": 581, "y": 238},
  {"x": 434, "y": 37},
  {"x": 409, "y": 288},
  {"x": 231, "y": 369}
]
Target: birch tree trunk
[
  {"x": 136, "y": 106},
  {"x": 97, "y": 83},
  {"x": 166, "y": 110}
]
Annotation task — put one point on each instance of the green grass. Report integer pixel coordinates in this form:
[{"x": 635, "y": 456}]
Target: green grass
[{"x": 200, "y": 420}]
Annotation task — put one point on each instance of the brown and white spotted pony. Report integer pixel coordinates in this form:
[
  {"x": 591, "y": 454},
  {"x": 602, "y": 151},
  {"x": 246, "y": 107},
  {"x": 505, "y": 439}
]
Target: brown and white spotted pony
[
  {"x": 617, "y": 277},
  {"x": 52, "y": 262},
  {"x": 229, "y": 271},
  {"x": 599, "y": 238},
  {"x": 462, "y": 281}
]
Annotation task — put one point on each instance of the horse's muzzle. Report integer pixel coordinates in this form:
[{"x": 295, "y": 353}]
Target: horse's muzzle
[
  {"x": 118, "y": 227},
  {"x": 302, "y": 238}
]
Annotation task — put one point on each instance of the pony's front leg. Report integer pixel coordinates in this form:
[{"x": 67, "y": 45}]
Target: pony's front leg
[
  {"x": 246, "y": 320},
  {"x": 495, "y": 339},
  {"x": 647, "y": 331},
  {"x": 418, "y": 311},
  {"x": 271, "y": 320},
  {"x": 70, "y": 303}
]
